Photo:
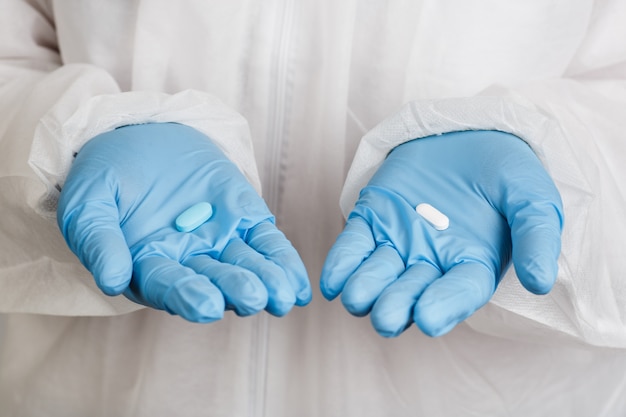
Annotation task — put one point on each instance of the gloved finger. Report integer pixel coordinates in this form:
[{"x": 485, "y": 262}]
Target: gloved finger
[
  {"x": 243, "y": 291},
  {"x": 393, "y": 311},
  {"x": 92, "y": 232},
  {"x": 536, "y": 238},
  {"x": 266, "y": 239},
  {"x": 376, "y": 272},
  {"x": 281, "y": 295},
  {"x": 165, "y": 284},
  {"x": 353, "y": 245},
  {"x": 533, "y": 208},
  {"x": 454, "y": 297}
]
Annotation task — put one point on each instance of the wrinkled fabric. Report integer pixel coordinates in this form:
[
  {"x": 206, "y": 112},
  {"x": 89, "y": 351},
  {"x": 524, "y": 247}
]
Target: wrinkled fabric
[
  {"x": 310, "y": 78},
  {"x": 55, "y": 144}
]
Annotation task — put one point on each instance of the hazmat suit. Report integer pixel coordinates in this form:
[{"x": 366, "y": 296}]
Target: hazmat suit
[{"x": 288, "y": 90}]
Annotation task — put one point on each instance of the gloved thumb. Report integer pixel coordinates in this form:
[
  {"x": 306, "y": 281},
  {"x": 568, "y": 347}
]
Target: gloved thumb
[
  {"x": 93, "y": 233},
  {"x": 536, "y": 236},
  {"x": 534, "y": 210}
]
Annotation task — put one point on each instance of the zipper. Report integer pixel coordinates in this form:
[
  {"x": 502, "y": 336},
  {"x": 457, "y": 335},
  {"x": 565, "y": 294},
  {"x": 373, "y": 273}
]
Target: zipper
[
  {"x": 280, "y": 97},
  {"x": 279, "y": 100}
]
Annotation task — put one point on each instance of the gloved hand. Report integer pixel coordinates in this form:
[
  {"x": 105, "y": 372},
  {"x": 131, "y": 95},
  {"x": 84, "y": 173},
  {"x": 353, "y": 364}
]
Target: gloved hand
[
  {"x": 117, "y": 211},
  {"x": 390, "y": 262}
]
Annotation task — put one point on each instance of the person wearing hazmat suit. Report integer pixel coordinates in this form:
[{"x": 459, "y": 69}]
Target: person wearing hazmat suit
[{"x": 406, "y": 208}]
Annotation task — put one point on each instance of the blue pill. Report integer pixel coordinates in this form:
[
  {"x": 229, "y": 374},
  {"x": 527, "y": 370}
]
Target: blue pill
[{"x": 194, "y": 217}]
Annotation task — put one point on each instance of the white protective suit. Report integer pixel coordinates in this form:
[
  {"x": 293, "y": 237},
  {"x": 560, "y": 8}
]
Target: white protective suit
[{"x": 311, "y": 77}]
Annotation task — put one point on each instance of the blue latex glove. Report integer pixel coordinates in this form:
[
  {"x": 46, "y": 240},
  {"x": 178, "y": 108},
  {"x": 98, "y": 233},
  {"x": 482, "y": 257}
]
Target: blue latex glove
[
  {"x": 393, "y": 264},
  {"x": 117, "y": 211}
]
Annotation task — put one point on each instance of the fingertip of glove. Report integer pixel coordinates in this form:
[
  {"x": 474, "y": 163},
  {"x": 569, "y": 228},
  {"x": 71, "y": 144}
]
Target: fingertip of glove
[
  {"x": 388, "y": 334},
  {"x": 433, "y": 321},
  {"x": 538, "y": 277},
  {"x": 304, "y": 297},
  {"x": 243, "y": 292},
  {"x": 436, "y": 330},
  {"x": 329, "y": 293},
  {"x": 195, "y": 300},
  {"x": 112, "y": 270},
  {"x": 387, "y": 326},
  {"x": 333, "y": 276},
  {"x": 281, "y": 302},
  {"x": 113, "y": 290},
  {"x": 538, "y": 286},
  {"x": 207, "y": 312},
  {"x": 113, "y": 284},
  {"x": 251, "y": 304},
  {"x": 278, "y": 309},
  {"x": 355, "y": 304}
]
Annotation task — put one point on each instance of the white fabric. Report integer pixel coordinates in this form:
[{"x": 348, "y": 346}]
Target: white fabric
[
  {"x": 424, "y": 118},
  {"x": 311, "y": 78},
  {"x": 58, "y": 137}
]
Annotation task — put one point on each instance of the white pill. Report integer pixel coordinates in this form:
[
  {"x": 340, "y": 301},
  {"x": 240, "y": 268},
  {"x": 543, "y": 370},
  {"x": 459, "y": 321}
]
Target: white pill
[
  {"x": 434, "y": 217},
  {"x": 194, "y": 217}
]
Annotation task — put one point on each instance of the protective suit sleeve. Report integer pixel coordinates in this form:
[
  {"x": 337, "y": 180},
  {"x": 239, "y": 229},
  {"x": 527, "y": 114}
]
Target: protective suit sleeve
[
  {"x": 574, "y": 124},
  {"x": 49, "y": 110}
]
